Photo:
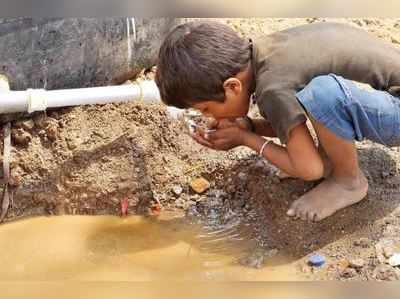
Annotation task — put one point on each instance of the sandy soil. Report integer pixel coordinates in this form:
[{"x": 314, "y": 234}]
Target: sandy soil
[{"x": 85, "y": 160}]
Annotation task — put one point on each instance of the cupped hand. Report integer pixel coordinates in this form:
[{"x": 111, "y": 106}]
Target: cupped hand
[
  {"x": 225, "y": 135},
  {"x": 226, "y": 138}
]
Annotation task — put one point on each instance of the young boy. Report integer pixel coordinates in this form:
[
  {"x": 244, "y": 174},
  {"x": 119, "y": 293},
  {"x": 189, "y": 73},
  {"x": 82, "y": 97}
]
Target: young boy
[{"x": 294, "y": 74}]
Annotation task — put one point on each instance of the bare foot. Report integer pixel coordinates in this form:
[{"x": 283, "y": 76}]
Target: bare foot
[{"x": 327, "y": 198}]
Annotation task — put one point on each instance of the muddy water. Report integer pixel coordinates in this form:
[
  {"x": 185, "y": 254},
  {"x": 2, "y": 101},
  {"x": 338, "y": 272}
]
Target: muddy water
[{"x": 107, "y": 248}]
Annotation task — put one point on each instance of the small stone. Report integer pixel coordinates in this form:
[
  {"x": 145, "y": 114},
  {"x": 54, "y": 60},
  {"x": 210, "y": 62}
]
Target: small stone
[
  {"x": 316, "y": 260},
  {"x": 388, "y": 251},
  {"x": 356, "y": 263},
  {"x": 385, "y": 174},
  {"x": 177, "y": 190},
  {"x": 199, "y": 185},
  {"x": 71, "y": 144},
  {"x": 363, "y": 242},
  {"x": 242, "y": 176},
  {"x": 394, "y": 181},
  {"x": 343, "y": 264},
  {"x": 305, "y": 269},
  {"x": 40, "y": 120},
  {"x": 385, "y": 272},
  {"x": 52, "y": 132},
  {"x": 21, "y": 137},
  {"x": 271, "y": 253},
  {"x": 348, "y": 273},
  {"x": 379, "y": 253},
  {"x": 394, "y": 260},
  {"x": 395, "y": 40},
  {"x": 25, "y": 124},
  {"x": 179, "y": 203}
]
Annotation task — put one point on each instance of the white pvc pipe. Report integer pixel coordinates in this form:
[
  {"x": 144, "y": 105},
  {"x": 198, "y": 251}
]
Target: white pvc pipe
[{"x": 33, "y": 100}]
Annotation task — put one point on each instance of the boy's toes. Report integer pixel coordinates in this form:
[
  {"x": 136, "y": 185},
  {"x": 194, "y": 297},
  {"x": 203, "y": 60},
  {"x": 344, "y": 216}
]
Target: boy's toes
[
  {"x": 293, "y": 211},
  {"x": 303, "y": 214},
  {"x": 312, "y": 216}
]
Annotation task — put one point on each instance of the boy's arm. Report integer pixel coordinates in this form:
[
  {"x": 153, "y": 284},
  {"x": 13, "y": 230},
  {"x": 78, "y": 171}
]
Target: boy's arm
[
  {"x": 263, "y": 127},
  {"x": 300, "y": 158}
]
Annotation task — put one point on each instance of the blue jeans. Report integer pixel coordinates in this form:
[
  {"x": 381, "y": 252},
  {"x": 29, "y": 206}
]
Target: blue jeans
[{"x": 350, "y": 112}]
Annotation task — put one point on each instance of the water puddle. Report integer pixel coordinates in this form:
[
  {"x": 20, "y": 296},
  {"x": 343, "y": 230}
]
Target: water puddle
[{"x": 108, "y": 248}]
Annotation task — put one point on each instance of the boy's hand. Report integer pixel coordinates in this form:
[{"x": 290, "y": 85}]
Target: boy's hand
[
  {"x": 221, "y": 134},
  {"x": 226, "y": 138}
]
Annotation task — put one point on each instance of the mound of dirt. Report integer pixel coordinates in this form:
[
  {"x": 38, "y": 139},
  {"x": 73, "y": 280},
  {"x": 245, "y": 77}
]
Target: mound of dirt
[{"x": 87, "y": 159}]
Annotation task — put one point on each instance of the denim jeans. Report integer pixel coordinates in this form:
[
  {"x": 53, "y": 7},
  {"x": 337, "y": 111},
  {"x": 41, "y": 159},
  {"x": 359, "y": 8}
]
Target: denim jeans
[{"x": 351, "y": 112}]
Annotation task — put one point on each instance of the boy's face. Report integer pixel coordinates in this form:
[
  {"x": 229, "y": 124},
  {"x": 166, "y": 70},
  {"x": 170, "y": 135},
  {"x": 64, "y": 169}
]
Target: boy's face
[{"x": 236, "y": 103}]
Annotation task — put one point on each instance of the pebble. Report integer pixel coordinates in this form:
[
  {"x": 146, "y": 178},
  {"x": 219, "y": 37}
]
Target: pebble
[
  {"x": 348, "y": 273},
  {"x": 388, "y": 251},
  {"x": 394, "y": 260},
  {"x": 52, "y": 132},
  {"x": 177, "y": 190},
  {"x": 384, "y": 272},
  {"x": 343, "y": 264},
  {"x": 363, "y": 242},
  {"x": 356, "y": 263},
  {"x": 242, "y": 176},
  {"x": 316, "y": 260},
  {"x": 26, "y": 124},
  {"x": 21, "y": 137},
  {"x": 379, "y": 253},
  {"x": 71, "y": 144},
  {"x": 179, "y": 203},
  {"x": 200, "y": 185}
]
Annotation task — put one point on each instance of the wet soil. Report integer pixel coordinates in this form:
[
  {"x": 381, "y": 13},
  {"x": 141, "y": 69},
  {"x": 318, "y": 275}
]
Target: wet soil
[{"x": 85, "y": 160}]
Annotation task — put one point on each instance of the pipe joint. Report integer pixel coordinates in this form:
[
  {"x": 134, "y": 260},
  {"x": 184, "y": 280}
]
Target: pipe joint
[{"x": 36, "y": 100}]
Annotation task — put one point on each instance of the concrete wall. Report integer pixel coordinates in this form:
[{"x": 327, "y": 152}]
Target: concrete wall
[{"x": 69, "y": 53}]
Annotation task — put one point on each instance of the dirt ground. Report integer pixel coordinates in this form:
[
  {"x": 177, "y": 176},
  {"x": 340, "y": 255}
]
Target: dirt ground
[{"x": 85, "y": 160}]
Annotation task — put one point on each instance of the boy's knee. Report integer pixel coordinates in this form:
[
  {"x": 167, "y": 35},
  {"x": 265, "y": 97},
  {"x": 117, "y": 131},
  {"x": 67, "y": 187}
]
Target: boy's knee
[{"x": 314, "y": 171}]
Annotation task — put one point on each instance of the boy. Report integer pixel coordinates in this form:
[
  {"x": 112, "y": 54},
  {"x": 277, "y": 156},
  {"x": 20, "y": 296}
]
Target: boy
[{"x": 294, "y": 74}]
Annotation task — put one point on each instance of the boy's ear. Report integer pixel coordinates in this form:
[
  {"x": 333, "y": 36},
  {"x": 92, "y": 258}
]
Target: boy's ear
[{"x": 233, "y": 85}]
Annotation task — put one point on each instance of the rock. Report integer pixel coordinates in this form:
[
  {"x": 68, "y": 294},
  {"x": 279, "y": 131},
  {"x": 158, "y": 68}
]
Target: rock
[
  {"x": 379, "y": 253},
  {"x": 25, "y": 124},
  {"x": 305, "y": 269},
  {"x": 21, "y": 137},
  {"x": 271, "y": 252},
  {"x": 388, "y": 251},
  {"x": 343, "y": 264},
  {"x": 40, "y": 120},
  {"x": 363, "y": 242},
  {"x": 385, "y": 272},
  {"x": 394, "y": 260},
  {"x": 72, "y": 144},
  {"x": 179, "y": 203},
  {"x": 259, "y": 164},
  {"x": 348, "y": 273},
  {"x": 356, "y": 263},
  {"x": 242, "y": 176},
  {"x": 230, "y": 188},
  {"x": 317, "y": 260},
  {"x": 199, "y": 185},
  {"x": 52, "y": 131},
  {"x": 395, "y": 40},
  {"x": 177, "y": 190},
  {"x": 255, "y": 260},
  {"x": 385, "y": 174},
  {"x": 394, "y": 181}
]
